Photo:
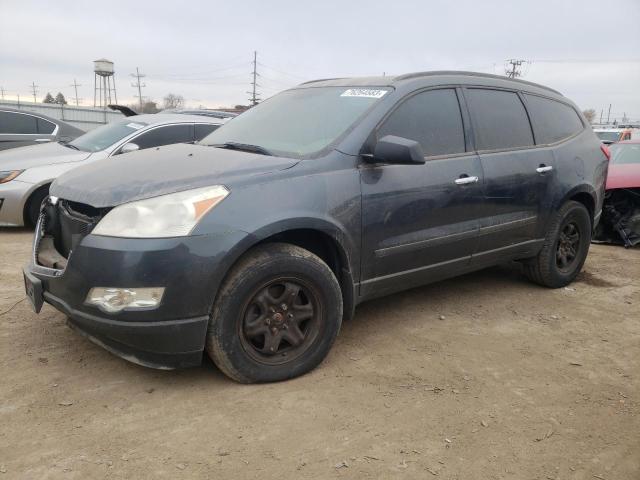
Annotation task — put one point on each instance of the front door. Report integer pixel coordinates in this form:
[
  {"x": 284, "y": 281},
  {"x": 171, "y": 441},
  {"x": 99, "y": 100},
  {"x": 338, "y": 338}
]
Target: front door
[{"x": 420, "y": 222}]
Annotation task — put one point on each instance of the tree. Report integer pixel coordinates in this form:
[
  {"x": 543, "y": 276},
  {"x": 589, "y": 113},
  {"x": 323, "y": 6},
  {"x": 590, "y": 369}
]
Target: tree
[
  {"x": 173, "y": 101},
  {"x": 590, "y": 115},
  {"x": 48, "y": 98},
  {"x": 60, "y": 100}
]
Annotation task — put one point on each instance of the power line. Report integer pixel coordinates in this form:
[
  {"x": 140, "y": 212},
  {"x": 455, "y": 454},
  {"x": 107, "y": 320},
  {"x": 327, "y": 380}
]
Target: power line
[
  {"x": 34, "y": 89},
  {"x": 512, "y": 68},
  {"x": 254, "y": 96},
  {"x": 75, "y": 85},
  {"x": 138, "y": 85}
]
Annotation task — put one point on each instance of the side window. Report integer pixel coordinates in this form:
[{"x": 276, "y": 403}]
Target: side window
[
  {"x": 45, "y": 127},
  {"x": 552, "y": 121},
  {"x": 165, "y": 136},
  {"x": 17, "y": 123},
  {"x": 431, "y": 118},
  {"x": 499, "y": 119},
  {"x": 204, "y": 129}
]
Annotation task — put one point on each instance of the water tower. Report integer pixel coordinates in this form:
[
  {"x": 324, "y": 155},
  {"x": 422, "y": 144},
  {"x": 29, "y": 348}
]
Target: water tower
[{"x": 103, "y": 83}]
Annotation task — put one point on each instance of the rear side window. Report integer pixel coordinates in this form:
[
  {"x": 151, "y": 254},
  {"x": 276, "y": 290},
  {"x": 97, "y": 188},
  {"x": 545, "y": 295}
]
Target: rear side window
[
  {"x": 552, "y": 121},
  {"x": 45, "y": 127},
  {"x": 165, "y": 136},
  {"x": 17, "y": 123},
  {"x": 204, "y": 129},
  {"x": 499, "y": 119},
  {"x": 431, "y": 118}
]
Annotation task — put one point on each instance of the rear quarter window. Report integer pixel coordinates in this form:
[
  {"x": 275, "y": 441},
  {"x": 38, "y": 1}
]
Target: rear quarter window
[
  {"x": 45, "y": 127},
  {"x": 499, "y": 118},
  {"x": 552, "y": 121}
]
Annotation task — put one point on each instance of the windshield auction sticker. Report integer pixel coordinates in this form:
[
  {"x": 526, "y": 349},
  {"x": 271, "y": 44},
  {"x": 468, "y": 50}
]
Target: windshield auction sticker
[
  {"x": 363, "y": 92},
  {"x": 135, "y": 126}
]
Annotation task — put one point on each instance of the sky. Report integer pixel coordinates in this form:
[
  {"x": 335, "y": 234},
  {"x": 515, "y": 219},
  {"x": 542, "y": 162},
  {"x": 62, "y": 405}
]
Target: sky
[{"x": 203, "y": 50}]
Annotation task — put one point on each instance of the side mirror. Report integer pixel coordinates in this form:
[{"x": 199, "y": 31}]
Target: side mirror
[
  {"x": 129, "y": 147},
  {"x": 398, "y": 150}
]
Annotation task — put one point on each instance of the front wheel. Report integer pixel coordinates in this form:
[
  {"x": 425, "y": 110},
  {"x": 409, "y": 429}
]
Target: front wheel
[
  {"x": 276, "y": 315},
  {"x": 565, "y": 248}
]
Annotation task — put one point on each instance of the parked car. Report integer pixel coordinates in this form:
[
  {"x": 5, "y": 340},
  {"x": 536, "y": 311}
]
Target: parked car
[
  {"x": 621, "y": 210},
  {"x": 257, "y": 242},
  {"x": 19, "y": 128},
  {"x": 26, "y": 173},
  {"x": 202, "y": 111},
  {"x": 608, "y": 135}
]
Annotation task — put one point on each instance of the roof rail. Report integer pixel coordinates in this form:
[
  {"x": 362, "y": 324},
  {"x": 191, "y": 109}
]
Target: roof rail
[{"x": 470, "y": 74}]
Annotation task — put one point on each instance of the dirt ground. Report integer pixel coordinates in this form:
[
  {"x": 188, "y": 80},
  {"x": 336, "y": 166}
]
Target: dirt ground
[{"x": 481, "y": 377}]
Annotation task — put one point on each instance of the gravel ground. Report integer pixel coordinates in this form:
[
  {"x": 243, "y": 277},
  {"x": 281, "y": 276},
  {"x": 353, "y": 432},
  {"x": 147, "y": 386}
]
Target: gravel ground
[{"x": 481, "y": 377}]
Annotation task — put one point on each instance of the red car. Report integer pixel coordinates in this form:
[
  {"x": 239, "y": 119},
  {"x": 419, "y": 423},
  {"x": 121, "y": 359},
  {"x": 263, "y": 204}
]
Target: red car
[{"x": 620, "y": 221}]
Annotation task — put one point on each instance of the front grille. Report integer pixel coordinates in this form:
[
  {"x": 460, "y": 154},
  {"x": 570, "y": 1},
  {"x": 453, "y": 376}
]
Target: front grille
[{"x": 61, "y": 227}]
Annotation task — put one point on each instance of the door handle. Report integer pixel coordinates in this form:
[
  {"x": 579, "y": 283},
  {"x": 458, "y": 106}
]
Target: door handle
[
  {"x": 544, "y": 168},
  {"x": 465, "y": 180},
  {"x": 43, "y": 139}
]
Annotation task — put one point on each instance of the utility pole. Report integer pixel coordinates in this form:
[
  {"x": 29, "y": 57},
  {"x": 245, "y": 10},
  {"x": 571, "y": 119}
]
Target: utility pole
[
  {"x": 138, "y": 85},
  {"x": 254, "y": 99},
  {"x": 2, "y": 92},
  {"x": 601, "y": 113},
  {"x": 609, "y": 114},
  {"x": 513, "y": 68},
  {"x": 75, "y": 85},
  {"x": 34, "y": 89}
]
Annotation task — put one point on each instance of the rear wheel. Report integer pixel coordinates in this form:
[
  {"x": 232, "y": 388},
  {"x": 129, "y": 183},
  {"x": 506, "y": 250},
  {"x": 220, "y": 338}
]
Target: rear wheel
[
  {"x": 32, "y": 211},
  {"x": 276, "y": 316},
  {"x": 565, "y": 248}
]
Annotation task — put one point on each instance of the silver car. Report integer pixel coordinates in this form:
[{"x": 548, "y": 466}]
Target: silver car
[{"x": 27, "y": 172}]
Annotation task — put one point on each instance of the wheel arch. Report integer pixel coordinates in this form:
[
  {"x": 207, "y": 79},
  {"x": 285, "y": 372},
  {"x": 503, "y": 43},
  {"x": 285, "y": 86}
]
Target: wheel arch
[
  {"x": 35, "y": 189},
  {"x": 321, "y": 237},
  {"x": 584, "y": 194}
]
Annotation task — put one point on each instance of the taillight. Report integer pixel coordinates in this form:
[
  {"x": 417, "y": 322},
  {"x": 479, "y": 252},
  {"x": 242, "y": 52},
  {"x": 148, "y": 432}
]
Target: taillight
[{"x": 606, "y": 151}]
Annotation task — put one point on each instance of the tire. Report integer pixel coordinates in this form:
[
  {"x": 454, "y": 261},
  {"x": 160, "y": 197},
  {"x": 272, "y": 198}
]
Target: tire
[
  {"x": 548, "y": 268},
  {"x": 33, "y": 206},
  {"x": 276, "y": 295}
]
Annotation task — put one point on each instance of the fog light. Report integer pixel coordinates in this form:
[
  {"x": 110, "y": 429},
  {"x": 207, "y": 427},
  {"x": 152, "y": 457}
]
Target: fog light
[{"x": 112, "y": 300}]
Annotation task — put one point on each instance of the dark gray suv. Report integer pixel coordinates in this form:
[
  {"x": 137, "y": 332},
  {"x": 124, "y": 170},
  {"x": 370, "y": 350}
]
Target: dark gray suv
[{"x": 257, "y": 242}]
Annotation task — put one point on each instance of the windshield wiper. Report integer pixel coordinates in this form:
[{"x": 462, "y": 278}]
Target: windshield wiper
[
  {"x": 244, "y": 147},
  {"x": 68, "y": 145}
]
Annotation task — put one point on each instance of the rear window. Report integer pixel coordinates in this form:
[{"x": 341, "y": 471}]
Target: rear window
[
  {"x": 552, "y": 121},
  {"x": 17, "y": 123},
  {"x": 499, "y": 119}
]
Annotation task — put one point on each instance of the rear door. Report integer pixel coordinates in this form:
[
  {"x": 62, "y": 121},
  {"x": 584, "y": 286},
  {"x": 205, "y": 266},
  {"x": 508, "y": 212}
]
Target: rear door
[
  {"x": 19, "y": 129},
  {"x": 420, "y": 222},
  {"x": 518, "y": 176}
]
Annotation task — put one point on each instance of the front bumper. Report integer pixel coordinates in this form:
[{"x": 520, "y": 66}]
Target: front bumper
[
  {"x": 13, "y": 195},
  {"x": 169, "y": 336}
]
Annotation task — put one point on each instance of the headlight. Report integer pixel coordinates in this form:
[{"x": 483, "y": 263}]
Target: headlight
[
  {"x": 9, "y": 175},
  {"x": 173, "y": 215}
]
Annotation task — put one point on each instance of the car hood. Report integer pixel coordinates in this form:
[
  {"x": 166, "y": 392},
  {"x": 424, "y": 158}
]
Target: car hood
[
  {"x": 623, "y": 176},
  {"x": 158, "y": 171},
  {"x": 37, "y": 155}
]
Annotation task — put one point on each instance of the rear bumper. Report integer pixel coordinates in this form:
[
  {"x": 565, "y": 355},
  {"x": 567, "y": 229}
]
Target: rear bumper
[{"x": 169, "y": 336}]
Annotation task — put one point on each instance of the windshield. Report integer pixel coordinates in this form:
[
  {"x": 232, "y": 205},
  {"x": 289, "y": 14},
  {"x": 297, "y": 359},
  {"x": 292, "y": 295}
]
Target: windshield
[
  {"x": 107, "y": 135},
  {"x": 608, "y": 136},
  {"x": 299, "y": 122},
  {"x": 625, "y": 153}
]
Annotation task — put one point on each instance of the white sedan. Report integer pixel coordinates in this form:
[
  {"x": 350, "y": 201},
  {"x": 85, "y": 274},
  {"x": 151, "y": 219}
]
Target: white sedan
[{"x": 27, "y": 172}]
